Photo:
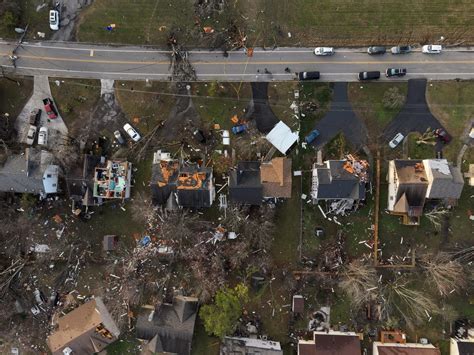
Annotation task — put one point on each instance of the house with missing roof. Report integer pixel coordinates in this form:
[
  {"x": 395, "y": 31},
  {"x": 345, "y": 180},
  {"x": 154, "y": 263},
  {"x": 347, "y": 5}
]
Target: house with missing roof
[
  {"x": 253, "y": 182},
  {"x": 340, "y": 181},
  {"x": 412, "y": 182},
  {"x": 395, "y": 342},
  {"x": 168, "y": 328},
  {"x": 98, "y": 180},
  {"x": 246, "y": 346},
  {"x": 462, "y": 343},
  {"x": 175, "y": 184},
  {"x": 33, "y": 172},
  {"x": 330, "y": 343},
  {"x": 87, "y": 329}
]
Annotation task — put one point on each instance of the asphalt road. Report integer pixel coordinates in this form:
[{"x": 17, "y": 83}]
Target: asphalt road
[{"x": 69, "y": 59}]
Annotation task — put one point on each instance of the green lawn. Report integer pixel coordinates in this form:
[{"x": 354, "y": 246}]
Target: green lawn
[
  {"x": 145, "y": 105},
  {"x": 76, "y": 99},
  {"x": 137, "y": 22},
  {"x": 419, "y": 151},
  {"x": 13, "y": 96},
  {"x": 218, "y": 102},
  {"x": 453, "y": 104},
  {"x": 368, "y": 102},
  {"x": 348, "y": 22}
]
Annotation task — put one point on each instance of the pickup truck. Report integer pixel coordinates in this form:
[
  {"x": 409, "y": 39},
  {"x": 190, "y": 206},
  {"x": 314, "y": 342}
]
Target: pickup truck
[
  {"x": 35, "y": 116},
  {"x": 50, "y": 109}
]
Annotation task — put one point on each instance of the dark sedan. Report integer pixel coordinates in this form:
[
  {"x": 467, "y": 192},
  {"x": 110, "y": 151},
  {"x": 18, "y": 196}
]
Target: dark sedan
[
  {"x": 376, "y": 50},
  {"x": 395, "y": 72},
  {"x": 308, "y": 75}
]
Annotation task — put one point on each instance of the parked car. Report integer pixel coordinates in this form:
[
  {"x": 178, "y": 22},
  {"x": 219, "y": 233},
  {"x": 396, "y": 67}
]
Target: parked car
[
  {"x": 308, "y": 75},
  {"x": 119, "y": 138},
  {"x": 395, "y": 72},
  {"x": 369, "y": 75},
  {"x": 131, "y": 132},
  {"x": 54, "y": 20},
  {"x": 35, "y": 116},
  {"x": 396, "y": 140},
  {"x": 199, "y": 136},
  {"x": 471, "y": 133},
  {"x": 442, "y": 135},
  {"x": 324, "y": 51},
  {"x": 432, "y": 49},
  {"x": 312, "y": 136},
  {"x": 239, "y": 128},
  {"x": 401, "y": 50},
  {"x": 30, "y": 137},
  {"x": 50, "y": 109},
  {"x": 43, "y": 136},
  {"x": 376, "y": 50}
]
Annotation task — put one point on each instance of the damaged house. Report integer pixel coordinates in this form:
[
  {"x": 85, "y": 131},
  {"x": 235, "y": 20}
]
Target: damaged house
[
  {"x": 99, "y": 180},
  {"x": 340, "y": 183},
  {"x": 176, "y": 184},
  {"x": 86, "y": 330},
  {"x": 168, "y": 328},
  {"x": 412, "y": 182},
  {"x": 32, "y": 172},
  {"x": 253, "y": 182},
  {"x": 330, "y": 343},
  {"x": 245, "y": 346}
]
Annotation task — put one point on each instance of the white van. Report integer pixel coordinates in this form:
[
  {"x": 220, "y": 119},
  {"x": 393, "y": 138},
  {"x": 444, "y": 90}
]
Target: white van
[{"x": 432, "y": 49}]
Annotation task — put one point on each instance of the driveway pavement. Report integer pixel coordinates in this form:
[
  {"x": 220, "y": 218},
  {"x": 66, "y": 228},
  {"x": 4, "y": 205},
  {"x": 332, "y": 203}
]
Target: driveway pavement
[
  {"x": 341, "y": 118},
  {"x": 57, "y": 130},
  {"x": 259, "y": 108},
  {"x": 415, "y": 116}
]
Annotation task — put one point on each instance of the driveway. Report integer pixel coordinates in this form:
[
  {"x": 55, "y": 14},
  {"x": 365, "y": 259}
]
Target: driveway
[
  {"x": 57, "y": 130},
  {"x": 341, "y": 118},
  {"x": 415, "y": 116},
  {"x": 69, "y": 12},
  {"x": 259, "y": 108}
]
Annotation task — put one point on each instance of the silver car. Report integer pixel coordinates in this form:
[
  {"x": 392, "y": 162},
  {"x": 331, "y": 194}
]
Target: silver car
[
  {"x": 43, "y": 136},
  {"x": 396, "y": 140}
]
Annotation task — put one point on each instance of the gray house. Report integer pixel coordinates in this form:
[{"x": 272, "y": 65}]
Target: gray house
[
  {"x": 168, "y": 327},
  {"x": 32, "y": 172}
]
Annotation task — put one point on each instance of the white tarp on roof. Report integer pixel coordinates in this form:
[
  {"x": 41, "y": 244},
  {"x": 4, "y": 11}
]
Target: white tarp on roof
[{"x": 281, "y": 137}]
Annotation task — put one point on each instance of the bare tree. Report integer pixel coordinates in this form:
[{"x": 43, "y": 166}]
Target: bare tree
[
  {"x": 446, "y": 274},
  {"x": 359, "y": 282},
  {"x": 414, "y": 306},
  {"x": 436, "y": 217}
]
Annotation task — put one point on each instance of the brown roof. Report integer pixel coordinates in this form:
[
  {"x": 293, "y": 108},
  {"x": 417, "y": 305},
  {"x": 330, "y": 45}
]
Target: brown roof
[
  {"x": 298, "y": 304},
  {"x": 87, "y": 329},
  {"x": 276, "y": 177},
  {"x": 399, "y": 350},
  {"x": 331, "y": 344}
]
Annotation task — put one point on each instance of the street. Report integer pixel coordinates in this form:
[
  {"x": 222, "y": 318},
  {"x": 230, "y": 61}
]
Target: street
[{"x": 69, "y": 59}]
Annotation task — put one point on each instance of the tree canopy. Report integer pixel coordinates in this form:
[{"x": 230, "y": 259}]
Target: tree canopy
[{"x": 220, "y": 318}]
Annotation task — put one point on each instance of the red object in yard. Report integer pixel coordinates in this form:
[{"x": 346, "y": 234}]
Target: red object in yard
[{"x": 49, "y": 108}]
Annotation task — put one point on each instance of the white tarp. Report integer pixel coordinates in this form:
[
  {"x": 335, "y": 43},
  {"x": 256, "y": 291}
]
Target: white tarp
[{"x": 281, "y": 137}]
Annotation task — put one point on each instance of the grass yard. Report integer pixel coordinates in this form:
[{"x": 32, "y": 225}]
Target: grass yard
[
  {"x": 369, "y": 103},
  {"x": 137, "y": 22},
  {"x": 31, "y": 15},
  {"x": 348, "y": 22},
  {"x": 419, "y": 151},
  {"x": 145, "y": 105},
  {"x": 218, "y": 102},
  {"x": 14, "y": 94},
  {"x": 75, "y": 98},
  {"x": 453, "y": 104}
]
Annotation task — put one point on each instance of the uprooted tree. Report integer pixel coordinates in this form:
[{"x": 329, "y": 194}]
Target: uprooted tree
[
  {"x": 445, "y": 274},
  {"x": 358, "y": 280},
  {"x": 221, "y": 317},
  {"x": 407, "y": 303}
]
